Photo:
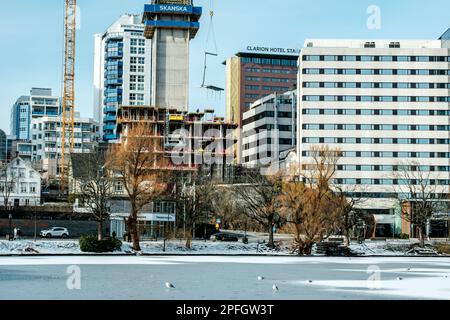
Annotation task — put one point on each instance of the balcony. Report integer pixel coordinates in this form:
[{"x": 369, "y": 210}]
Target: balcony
[
  {"x": 109, "y": 109},
  {"x": 110, "y": 127},
  {"x": 111, "y": 137},
  {"x": 114, "y": 82},
  {"x": 109, "y": 118}
]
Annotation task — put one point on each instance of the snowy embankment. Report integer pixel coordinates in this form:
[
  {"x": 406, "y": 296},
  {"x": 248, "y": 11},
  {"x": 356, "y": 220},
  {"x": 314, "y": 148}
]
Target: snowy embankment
[
  {"x": 177, "y": 247},
  {"x": 25, "y": 247}
]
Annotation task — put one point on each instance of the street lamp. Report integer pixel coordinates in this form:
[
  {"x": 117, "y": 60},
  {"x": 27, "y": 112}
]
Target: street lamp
[{"x": 10, "y": 226}]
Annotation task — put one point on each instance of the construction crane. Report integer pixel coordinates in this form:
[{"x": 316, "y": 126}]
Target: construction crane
[{"x": 68, "y": 98}]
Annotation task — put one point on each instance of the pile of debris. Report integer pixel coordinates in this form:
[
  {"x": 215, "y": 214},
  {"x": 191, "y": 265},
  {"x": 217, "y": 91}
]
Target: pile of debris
[{"x": 425, "y": 251}]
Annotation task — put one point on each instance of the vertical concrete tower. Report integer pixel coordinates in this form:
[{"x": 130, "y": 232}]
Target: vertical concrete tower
[{"x": 171, "y": 24}]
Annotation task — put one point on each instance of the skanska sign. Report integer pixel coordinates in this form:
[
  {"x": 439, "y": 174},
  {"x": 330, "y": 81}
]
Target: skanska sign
[{"x": 175, "y": 8}]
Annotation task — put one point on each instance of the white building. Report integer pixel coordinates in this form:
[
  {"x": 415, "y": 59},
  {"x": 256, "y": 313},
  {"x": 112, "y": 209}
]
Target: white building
[
  {"x": 20, "y": 184},
  {"x": 269, "y": 128},
  {"x": 122, "y": 71},
  {"x": 39, "y": 103},
  {"x": 46, "y": 140},
  {"x": 383, "y": 103}
]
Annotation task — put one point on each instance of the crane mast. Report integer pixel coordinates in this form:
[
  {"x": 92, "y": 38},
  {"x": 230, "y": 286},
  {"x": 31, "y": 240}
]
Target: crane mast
[{"x": 68, "y": 98}]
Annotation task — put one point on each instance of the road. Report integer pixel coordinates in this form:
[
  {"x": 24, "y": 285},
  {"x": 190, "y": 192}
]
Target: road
[{"x": 229, "y": 278}]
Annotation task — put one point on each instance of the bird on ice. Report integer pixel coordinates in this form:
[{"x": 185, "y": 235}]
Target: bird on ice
[
  {"x": 275, "y": 287},
  {"x": 399, "y": 278},
  {"x": 169, "y": 285},
  {"x": 310, "y": 281},
  {"x": 260, "y": 278}
]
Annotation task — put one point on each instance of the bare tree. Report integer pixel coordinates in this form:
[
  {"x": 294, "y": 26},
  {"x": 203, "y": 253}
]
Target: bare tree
[
  {"x": 95, "y": 185},
  {"x": 139, "y": 163},
  {"x": 8, "y": 181},
  {"x": 193, "y": 193},
  {"x": 258, "y": 200},
  {"x": 417, "y": 187}
]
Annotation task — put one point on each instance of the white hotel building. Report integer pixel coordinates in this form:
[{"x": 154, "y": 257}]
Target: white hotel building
[{"x": 383, "y": 103}]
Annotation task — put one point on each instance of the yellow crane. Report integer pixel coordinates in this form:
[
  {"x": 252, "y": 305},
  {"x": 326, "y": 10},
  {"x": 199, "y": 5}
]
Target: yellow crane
[{"x": 68, "y": 98}]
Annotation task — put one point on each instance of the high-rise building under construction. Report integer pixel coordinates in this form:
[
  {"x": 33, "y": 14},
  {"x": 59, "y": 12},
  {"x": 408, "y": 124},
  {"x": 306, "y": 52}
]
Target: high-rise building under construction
[{"x": 171, "y": 24}]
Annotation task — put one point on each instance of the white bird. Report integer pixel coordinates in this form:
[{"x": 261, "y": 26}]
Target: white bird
[
  {"x": 260, "y": 278},
  {"x": 169, "y": 285},
  {"x": 399, "y": 278},
  {"x": 310, "y": 281},
  {"x": 445, "y": 277},
  {"x": 275, "y": 288},
  {"x": 409, "y": 269}
]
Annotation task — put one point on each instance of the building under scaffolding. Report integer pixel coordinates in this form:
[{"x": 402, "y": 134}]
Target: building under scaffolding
[{"x": 188, "y": 140}]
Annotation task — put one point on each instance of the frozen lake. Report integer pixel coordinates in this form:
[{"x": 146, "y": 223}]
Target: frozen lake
[{"x": 228, "y": 278}]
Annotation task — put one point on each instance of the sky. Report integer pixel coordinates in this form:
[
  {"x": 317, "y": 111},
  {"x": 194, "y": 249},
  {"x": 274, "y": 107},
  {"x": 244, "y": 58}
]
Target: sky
[{"x": 31, "y": 37}]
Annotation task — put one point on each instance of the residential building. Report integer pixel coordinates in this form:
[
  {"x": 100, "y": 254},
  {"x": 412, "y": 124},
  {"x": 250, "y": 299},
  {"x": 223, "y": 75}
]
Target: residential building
[
  {"x": 254, "y": 74},
  {"x": 170, "y": 25},
  {"x": 39, "y": 103},
  {"x": 46, "y": 141},
  {"x": 20, "y": 184},
  {"x": 122, "y": 71},
  {"x": 269, "y": 128},
  {"x": 385, "y": 105}
]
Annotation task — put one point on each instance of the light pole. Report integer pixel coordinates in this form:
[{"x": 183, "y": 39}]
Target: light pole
[{"x": 10, "y": 226}]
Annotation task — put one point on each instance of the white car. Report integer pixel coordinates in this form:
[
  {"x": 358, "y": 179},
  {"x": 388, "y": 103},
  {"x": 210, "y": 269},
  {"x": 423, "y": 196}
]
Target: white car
[{"x": 56, "y": 232}]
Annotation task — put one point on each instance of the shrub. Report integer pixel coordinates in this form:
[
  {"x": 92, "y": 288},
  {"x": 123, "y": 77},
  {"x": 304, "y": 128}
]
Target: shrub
[
  {"x": 443, "y": 248},
  {"x": 92, "y": 244}
]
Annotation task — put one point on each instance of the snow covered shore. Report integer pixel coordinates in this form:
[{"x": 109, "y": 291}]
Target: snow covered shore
[{"x": 177, "y": 247}]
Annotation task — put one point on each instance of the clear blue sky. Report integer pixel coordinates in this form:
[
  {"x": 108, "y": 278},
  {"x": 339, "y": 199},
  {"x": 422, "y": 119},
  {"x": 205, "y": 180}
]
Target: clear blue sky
[{"x": 31, "y": 35}]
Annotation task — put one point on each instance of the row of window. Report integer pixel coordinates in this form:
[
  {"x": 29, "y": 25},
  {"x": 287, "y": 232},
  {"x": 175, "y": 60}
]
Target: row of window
[
  {"x": 367, "y": 58},
  {"x": 267, "y": 79},
  {"x": 24, "y": 188},
  {"x": 266, "y": 70},
  {"x": 138, "y": 42},
  {"x": 269, "y": 127},
  {"x": 267, "y": 141},
  {"x": 376, "y": 112},
  {"x": 387, "y": 195},
  {"x": 387, "y": 154},
  {"x": 400, "y": 72},
  {"x": 375, "y": 140},
  {"x": 137, "y": 50},
  {"x": 269, "y": 61},
  {"x": 393, "y": 168},
  {"x": 387, "y": 127},
  {"x": 267, "y": 114},
  {"x": 375, "y": 99},
  {"x": 137, "y": 60},
  {"x": 376, "y": 85},
  {"x": 137, "y": 78},
  {"x": 267, "y": 88},
  {"x": 388, "y": 182}
]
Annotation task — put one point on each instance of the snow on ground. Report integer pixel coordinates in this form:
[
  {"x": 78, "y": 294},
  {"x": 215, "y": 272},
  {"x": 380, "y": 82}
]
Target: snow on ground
[
  {"x": 366, "y": 249},
  {"x": 25, "y": 247},
  {"x": 382, "y": 248}
]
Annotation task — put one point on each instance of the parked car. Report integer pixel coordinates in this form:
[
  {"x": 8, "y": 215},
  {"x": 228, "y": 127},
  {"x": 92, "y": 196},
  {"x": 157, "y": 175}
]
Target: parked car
[
  {"x": 56, "y": 232},
  {"x": 224, "y": 237}
]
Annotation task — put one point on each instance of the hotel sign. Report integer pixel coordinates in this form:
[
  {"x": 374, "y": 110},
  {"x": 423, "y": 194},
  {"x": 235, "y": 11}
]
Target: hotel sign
[{"x": 272, "y": 50}]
